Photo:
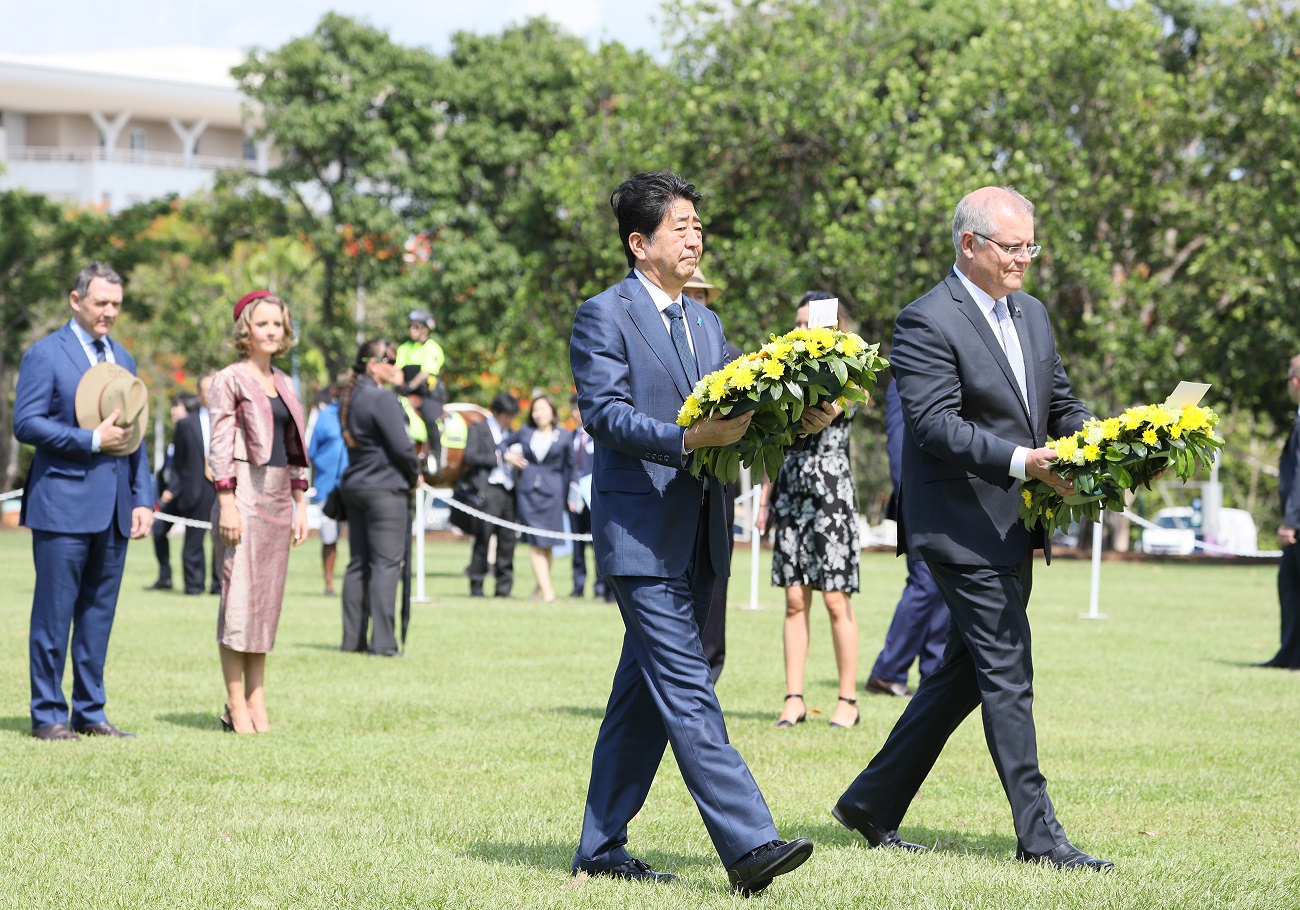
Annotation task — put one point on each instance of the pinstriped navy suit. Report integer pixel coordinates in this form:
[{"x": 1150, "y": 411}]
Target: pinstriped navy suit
[{"x": 660, "y": 538}]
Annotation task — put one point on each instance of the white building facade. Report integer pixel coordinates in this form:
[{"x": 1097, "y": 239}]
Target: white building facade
[{"x": 116, "y": 128}]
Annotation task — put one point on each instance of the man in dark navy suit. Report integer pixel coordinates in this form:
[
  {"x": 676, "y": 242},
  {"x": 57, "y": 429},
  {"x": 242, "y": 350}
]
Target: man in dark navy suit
[
  {"x": 982, "y": 389},
  {"x": 194, "y": 494},
  {"x": 660, "y": 537},
  {"x": 1288, "y": 570},
  {"x": 84, "y": 497},
  {"x": 920, "y": 624}
]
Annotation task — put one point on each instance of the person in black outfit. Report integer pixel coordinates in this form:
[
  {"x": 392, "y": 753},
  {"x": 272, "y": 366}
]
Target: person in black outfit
[
  {"x": 194, "y": 491},
  {"x": 183, "y": 403},
  {"x": 494, "y": 481},
  {"x": 376, "y": 489},
  {"x": 1288, "y": 570}
]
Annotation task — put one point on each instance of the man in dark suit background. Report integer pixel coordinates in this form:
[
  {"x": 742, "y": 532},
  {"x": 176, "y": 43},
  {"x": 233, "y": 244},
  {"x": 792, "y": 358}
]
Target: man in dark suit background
[
  {"x": 584, "y": 449},
  {"x": 193, "y": 494},
  {"x": 982, "y": 390},
  {"x": 1288, "y": 570},
  {"x": 660, "y": 537},
  {"x": 494, "y": 481},
  {"x": 920, "y": 624},
  {"x": 82, "y": 503}
]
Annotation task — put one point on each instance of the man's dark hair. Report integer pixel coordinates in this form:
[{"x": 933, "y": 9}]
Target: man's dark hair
[
  {"x": 641, "y": 202},
  {"x": 504, "y": 403},
  {"x": 90, "y": 273}
]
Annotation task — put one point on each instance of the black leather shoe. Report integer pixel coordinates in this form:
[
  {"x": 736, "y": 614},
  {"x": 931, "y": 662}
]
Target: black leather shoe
[
  {"x": 159, "y": 585},
  {"x": 755, "y": 870},
  {"x": 104, "y": 728},
  {"x": 55, "y": 731},
  {"x": 877, "y": 686},
  {"x": 634, "y": 870},
  {"x": 860, "y": 821},
  {"x": 1066, "y": 856}
]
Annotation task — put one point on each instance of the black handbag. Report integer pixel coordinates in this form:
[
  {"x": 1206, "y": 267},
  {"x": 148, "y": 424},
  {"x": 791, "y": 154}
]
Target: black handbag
[
  {"x": 469, "y": 495},
  {"x": 333, "y": 506}
]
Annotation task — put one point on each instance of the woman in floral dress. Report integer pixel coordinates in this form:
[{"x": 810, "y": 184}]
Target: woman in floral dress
[{"x": 813, "y": 508}]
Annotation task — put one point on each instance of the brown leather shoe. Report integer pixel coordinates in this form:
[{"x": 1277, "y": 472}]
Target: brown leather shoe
[
  {"x": 104, "y": 728},
  {"x": 55, "y": 731},
  {"x": 877, "y": 686}
]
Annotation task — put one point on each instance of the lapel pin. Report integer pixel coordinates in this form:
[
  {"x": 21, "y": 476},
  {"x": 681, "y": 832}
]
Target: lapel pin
[{"x": 697, "y": 321}]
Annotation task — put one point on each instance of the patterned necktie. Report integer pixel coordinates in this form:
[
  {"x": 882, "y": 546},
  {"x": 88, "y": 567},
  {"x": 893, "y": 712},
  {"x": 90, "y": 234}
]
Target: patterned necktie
[
  {"x": 1011, "y": 347},
  {"x": 677, "y": 327},
  {"x": 101, "y": 350}
]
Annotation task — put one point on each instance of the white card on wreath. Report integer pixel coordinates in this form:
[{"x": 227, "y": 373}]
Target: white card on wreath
[
  {"x": 1187, "y": 394},
  {"x": 824, "y": 313}
]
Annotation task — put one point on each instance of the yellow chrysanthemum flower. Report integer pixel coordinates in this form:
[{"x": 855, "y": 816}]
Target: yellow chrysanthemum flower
[
  {"x": 1149, "y": 436},
  {"x": 1066, "y": 447},
  {"x": 717, "y": 384},
  {"x": 744, "y": 378},
  {"x": 1091, "y": 452},
  {"x": 690, "y": 412},
  {"x": 774, "y": 369},
  {"x": 1027, "y": 497},
  {"x": 1110, "y": 428}
]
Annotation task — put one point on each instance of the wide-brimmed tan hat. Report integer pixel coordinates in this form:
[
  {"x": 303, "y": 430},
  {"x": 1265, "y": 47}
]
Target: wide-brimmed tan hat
[
  {"x": 702, "y": 289},
  {"x": 106, "y": 387}
]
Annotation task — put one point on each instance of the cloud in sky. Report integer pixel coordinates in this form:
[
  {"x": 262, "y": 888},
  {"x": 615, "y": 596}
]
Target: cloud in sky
[{"x": 30, "y": 28}]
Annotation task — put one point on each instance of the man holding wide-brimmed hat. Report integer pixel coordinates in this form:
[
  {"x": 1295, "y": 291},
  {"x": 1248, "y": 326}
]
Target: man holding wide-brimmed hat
[{"x": 81, "y": 406}]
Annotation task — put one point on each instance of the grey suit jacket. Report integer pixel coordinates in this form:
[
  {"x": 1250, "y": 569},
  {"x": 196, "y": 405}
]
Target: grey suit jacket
[{"x": 965, "y": 417}]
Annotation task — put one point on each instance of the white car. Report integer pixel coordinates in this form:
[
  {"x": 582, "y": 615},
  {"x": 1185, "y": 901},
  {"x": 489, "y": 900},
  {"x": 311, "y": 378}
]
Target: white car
[{"x": 1174, "y": 533}]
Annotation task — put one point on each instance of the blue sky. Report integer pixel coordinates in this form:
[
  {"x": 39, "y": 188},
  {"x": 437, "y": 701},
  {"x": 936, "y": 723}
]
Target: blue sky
[{"x": 28, "y": 27}]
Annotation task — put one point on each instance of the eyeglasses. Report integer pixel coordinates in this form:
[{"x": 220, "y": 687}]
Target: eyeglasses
[
  {"x": 388, "y": 360},
  {"x": 1015, "y": 252}
]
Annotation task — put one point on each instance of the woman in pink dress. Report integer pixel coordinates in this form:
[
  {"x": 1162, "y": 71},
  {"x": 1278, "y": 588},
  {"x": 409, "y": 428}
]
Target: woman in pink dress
[{"x": 259, "y": 469}]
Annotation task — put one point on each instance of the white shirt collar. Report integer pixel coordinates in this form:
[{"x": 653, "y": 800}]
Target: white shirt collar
[
  {"x": 986, "y": 303},
  {"x": 88, "y": 343},
  {"x": 657, "y": 294}
]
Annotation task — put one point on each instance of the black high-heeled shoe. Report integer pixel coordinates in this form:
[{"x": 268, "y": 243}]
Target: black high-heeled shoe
[
  {"x": 856, "y": 719},
  {"x": 227, "y": 725},
  {"x": 785, "y": 724}
]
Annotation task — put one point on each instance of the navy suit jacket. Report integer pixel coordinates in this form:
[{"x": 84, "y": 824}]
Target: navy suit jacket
[
  {"x": 69, "y": 489},
  {"x": 645, "y": 505},
  {"x": 1288, "y": 478},
  {"x": 965, "y": 417}
]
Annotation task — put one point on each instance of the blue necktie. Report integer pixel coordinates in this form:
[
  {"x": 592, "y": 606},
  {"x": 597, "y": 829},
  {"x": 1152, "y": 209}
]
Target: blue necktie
[
  {"x": 101, "y": 350},
  {"x": 677, "y": 328}
]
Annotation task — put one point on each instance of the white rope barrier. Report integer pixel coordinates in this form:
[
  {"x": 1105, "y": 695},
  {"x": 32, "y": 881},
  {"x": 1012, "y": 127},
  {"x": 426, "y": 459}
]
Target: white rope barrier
[{"x": 445, "y": 496}]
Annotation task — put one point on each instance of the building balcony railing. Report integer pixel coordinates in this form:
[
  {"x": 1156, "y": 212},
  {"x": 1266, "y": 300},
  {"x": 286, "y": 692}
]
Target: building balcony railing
[{"x": 140, "y": 157}]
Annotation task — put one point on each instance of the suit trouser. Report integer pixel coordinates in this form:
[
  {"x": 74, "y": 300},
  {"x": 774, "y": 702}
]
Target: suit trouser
[
  {"x": 77, "y": 581},
  {"x": 662, "y": 694},
  {"x": 580, "y": 523},
  {"x": 987, "y": 664},
  {"x": 193, "y": 559},
  {"x": 919, "y": 627},
  {"x": 162, "y": 548},
  {"x": 500, "y": 503},
  {"x": 378, "y": 522},
  {"x": 1288, "y": 595}
]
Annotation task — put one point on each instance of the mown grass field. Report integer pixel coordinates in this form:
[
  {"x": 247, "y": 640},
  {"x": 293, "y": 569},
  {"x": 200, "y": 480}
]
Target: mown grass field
[{"x": 456, "y": 777}]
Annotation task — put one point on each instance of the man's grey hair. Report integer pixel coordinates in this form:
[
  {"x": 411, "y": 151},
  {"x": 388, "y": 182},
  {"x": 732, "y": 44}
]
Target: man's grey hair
[
  {"x": 978, "y": 215},
  {"x": 90, "y": 273}
]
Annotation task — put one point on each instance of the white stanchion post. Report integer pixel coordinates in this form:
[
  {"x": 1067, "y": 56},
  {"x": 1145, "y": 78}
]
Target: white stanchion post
[
  {"x": 1094, "y": 597},
  {"x": 754, "y": 549},
  {"x": 418, "y": 529}
]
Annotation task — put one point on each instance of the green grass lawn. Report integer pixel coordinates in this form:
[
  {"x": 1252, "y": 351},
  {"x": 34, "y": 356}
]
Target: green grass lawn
[{"x": 456, "y": 777}]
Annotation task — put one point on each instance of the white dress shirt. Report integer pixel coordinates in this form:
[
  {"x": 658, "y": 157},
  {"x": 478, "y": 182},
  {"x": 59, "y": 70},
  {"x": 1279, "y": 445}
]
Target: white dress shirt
[{"x": 986, "y": 304}]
